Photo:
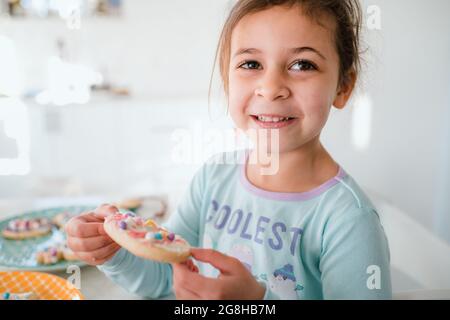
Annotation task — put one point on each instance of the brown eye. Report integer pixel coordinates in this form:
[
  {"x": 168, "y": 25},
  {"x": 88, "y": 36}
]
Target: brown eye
[
  {"x": 303, "y": 65},
  {"x": 250, "y": 65}
]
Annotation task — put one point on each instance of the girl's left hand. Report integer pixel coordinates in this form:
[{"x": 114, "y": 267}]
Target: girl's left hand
[{"x": 234, "y": 281}]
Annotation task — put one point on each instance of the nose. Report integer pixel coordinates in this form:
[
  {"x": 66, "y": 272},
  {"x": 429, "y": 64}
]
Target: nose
[{"x": 272, "y": 86}]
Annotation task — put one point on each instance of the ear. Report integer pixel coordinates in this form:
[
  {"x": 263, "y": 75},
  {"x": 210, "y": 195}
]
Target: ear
[{"x": 345, "y": 90}]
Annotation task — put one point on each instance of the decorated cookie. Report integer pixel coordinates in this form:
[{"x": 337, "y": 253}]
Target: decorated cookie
[
  {"x": 50, "y": 255},
  {"x": 55, "y": 254},
  {"x": 146, "y": 239},
  {"x": 68, "y": 254},
  {"x": 20, "y": 229}
]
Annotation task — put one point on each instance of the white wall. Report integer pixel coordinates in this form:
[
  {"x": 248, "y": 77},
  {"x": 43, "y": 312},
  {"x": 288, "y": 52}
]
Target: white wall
[
  {"x": 159, "y": 48},
  {"x": 164, "y": 51},
  {"x": 408, "y": 79}
]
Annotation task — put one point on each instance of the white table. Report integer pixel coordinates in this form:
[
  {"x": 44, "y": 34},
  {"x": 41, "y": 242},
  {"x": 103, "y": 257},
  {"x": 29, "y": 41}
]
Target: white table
[{"x": 96, "y": 286}]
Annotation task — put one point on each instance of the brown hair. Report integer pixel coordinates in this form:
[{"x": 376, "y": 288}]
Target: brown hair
[{"x": 347, "y": 14}]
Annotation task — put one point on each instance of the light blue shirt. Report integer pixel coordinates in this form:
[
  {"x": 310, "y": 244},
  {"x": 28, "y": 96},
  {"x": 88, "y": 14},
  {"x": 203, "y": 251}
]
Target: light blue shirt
[{"x": 327, "y": 243}]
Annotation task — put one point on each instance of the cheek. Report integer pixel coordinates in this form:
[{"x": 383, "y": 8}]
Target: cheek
[
  {"x": 239, "y": 96},
  {"x": 316, "y": 101}
]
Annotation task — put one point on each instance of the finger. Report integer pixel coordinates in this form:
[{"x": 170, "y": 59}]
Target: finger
[
  {"x": 81, "y": 229},
  {"x": 105, "y": 210},
  {"x": 90, "y": 216},
  {"x": 83, "y": 217},
  {"x": 99, "y": 254},
  {"x": 185, "y": 294},
  {"x": 191, "y": 266},
  {"x": 182, "y": 292},
  {"x": 192, "y": 280},
  {"x": 87, "y": 216},
  {"x": 88, "y": 244},
  {"x": 102, "y": 261},
  {"x": 189, "y": 263},
  {"x": 224, "y": 263}
]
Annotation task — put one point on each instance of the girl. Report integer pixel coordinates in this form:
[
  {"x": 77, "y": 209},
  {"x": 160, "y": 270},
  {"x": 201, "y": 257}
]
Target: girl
[{"x": 304, "y": 231}]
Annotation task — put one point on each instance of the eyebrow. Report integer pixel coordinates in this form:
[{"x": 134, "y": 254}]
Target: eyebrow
[{"x": 293, "y": 50}]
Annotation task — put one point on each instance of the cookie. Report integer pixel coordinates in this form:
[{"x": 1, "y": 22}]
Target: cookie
[
  {"x": 20, "y": 229},
  {"x": 55, "y": 254},
  {"x": 50, "y": 255},
  {"x": 146, "y": 239},
  {"x": 68, "y": 254}
]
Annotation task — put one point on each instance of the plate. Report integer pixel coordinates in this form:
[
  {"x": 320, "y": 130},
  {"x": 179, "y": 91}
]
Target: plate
[
  {"x": 45, "y": 286},
  {"x": 20, "y": 254}
]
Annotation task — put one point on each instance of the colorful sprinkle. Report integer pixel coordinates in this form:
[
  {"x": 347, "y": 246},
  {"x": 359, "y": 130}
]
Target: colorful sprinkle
[
  {"x": 151, "y": 223},
  {"x": 139, "y": 221},
  {"x": 6, "y": 295},
  {"x": 123, "y": 225},
  {"x": 130, "y": 214},
  {"x": 171, "y": 236},
  {"x": 158, "y": 236}
]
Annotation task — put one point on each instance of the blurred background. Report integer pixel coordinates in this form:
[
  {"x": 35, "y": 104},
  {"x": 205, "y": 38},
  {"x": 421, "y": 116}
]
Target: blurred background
[{"x": 93, "y": 92}]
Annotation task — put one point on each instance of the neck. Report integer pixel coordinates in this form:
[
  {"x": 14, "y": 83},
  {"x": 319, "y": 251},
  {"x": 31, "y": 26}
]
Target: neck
[{"x": 299, "y": 170}]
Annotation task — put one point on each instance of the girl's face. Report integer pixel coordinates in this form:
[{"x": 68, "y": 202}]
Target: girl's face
[{"x": 284, "y": 65}]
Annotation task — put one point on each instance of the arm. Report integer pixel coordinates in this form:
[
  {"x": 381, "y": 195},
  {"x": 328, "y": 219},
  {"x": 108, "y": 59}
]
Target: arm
[
  {"x": 154, "y": 279},
  {"x": 354, "y": 263},
  {"x": 144, "y": 278}
]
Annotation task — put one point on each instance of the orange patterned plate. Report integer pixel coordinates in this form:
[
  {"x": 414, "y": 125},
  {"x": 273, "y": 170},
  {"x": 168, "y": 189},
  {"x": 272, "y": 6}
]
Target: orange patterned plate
[{"x": 45, "y": 286}]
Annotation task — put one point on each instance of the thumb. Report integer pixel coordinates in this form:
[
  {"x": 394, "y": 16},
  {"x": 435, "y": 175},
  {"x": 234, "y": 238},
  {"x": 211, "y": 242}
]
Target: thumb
[
  {"x": 224, "y": 263},
  {"x": 105, "y": 210}
]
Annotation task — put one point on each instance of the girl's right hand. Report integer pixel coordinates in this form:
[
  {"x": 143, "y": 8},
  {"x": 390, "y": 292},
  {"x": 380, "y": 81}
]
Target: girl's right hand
[{"x": 87, "y": 238}]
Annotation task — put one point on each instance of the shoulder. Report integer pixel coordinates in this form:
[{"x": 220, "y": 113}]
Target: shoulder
[
  {"x": 351, "y": 217},
  {"x": 348, "y": 200}
]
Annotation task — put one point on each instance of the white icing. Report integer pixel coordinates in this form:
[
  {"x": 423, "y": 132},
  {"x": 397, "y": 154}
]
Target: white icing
[
  {"x": 173, "y": 247},
  {"x": 150, "y": 235},
  {"x": 130, "y": 223}
]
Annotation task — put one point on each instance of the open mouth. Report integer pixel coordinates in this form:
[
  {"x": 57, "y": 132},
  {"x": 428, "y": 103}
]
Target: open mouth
[{"x": 273, "y": 121}]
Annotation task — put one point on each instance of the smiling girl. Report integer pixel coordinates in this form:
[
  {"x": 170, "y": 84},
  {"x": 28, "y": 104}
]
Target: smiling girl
[{"x": 306, "y": 231}]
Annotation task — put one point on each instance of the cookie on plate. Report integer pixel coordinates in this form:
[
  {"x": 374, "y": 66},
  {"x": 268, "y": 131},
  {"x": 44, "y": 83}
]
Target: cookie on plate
[
  {"x": 20, "y": 229},
  {"x": 50, "y": 255},
  {"x": 55, "y": 254}
]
